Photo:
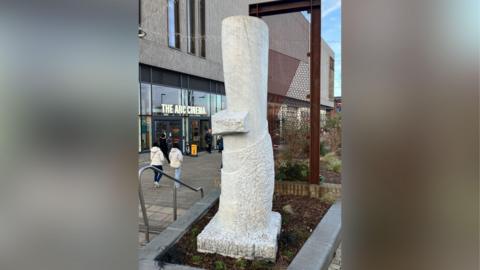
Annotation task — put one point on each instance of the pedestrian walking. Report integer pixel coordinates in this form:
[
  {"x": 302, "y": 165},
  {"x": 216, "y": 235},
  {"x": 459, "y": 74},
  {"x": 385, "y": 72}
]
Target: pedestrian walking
[
  {"x": 208, "y": 140},
  {"x": 176, "y": 161},
  {"x": 156, "y": 160},
  {"x": 164, "y": 146}
]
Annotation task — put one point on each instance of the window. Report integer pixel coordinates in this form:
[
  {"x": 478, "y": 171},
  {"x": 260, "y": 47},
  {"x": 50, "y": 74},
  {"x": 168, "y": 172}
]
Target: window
[
  {"x": 145, "y": 99},
  {"x": 139, "y": 13},
  {"x": 331, "y": 78},
  {"x": 191, "y": 26},
  {"x": 145, "y": 136},
  {"x": 213, "y": 103},
  {"x": 202, "y": 28},
  {"x": 218, "y": 103},
  {"x": 224, "y": 102},
  {"x": 166, "y": 96},
  {"x": 174, "y": 23},
  {"x": 200, "y": 99}
]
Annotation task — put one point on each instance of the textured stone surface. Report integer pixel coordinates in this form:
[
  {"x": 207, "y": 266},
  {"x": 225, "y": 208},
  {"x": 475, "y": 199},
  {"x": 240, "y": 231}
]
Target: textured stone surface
[
  {"x": 227, "y": 122},
  {"x": 245, "y": 225}
]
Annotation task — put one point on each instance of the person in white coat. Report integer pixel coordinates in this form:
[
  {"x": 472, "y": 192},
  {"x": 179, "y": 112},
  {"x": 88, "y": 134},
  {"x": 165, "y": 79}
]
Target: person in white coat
[
  {"x": 176, "y": 161},
  {"x": 156, "y": 160}
]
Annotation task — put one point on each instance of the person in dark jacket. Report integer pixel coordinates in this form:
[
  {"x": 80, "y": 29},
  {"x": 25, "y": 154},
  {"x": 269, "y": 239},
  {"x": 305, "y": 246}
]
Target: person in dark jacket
[
  {"x": 164, "y": 147},
  {"x": 208, "y": 140},
  {"x": 220, "y": 144}
]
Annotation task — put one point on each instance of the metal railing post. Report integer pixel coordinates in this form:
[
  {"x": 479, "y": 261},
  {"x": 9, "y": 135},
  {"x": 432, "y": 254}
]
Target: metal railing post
[
  {"x": 174, "y": 201},
  {"x": 142, "y": 199},
  {"x": 144, "y": 212}
]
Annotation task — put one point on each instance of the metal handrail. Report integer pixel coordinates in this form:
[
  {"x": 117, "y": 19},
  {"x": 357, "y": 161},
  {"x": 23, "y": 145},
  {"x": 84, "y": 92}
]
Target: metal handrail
[{"x": 142, "y": 199}]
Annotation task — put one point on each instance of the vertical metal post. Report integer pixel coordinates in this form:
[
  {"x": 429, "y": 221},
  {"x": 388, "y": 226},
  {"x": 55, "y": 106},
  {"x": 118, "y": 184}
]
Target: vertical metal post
[
  {"x": 315, "y": 89},
  {"x": 174, "y": 201},
  {"x": 144, "y": 211}
]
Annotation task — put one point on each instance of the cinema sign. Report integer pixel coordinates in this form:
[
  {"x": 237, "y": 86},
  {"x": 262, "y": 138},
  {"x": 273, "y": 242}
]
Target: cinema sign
[{"x": 181, "y": 109}]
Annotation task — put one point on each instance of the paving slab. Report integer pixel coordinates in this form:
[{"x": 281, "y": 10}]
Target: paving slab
[{"x": 168, "y": 237}]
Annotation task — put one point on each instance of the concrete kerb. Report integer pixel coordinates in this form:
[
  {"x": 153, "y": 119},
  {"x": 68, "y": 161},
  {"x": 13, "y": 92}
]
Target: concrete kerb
[
  {"x": 166, "y": 239},
  {"x": 318, "y": 252}
]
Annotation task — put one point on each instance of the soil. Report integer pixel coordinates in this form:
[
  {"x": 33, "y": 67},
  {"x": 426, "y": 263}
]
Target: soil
[
  {"x": 330, "y": 177},
  {"x": 296, "y": 228}
]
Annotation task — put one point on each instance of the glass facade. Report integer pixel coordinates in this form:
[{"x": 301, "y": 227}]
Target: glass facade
[
  {"x": 164, "y": 95},
  {"x": 145, "y": 132},
  {"x": 199, "y": 99},
  {"x": 145, "y": 99},
  {"x": 172, "y": 105}
]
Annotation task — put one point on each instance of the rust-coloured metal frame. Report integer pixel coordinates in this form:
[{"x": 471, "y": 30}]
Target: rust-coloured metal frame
[{"x": 314, "y": 7}]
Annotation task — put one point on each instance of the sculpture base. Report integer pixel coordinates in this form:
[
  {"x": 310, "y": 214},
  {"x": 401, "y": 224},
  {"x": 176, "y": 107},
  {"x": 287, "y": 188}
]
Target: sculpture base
[{"x": 252, "y": 245}]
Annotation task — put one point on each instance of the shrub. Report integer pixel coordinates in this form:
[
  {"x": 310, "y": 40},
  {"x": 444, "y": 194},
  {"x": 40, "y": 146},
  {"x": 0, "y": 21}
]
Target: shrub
[
  {"x": 333, "y": 132},
  {"x": 241, "y": 264},
  {"x": 195, "y": 231},
  {"x": 295, "y": 139},
  {"x": 335, "y": 166},
  {"x": 196, "y": 259},
  {"x": 323, "y": 148},
  {"x": 293, "y": 171},
  {"x": 328, "y": 198},
  {"x": 219, "y": 265},
  {"x": 261, "y": 265},
  {"x": 333, "y": 163},
  {"x": 289, "y": 254}
]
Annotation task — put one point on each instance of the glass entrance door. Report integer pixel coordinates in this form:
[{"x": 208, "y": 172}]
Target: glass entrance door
[
  {"x": 172, "y": 129},
  {"x": 199, "y": 128}
]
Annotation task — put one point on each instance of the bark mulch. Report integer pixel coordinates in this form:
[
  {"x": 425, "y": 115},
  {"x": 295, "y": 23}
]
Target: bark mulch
[{"x": 296, "y": 228}]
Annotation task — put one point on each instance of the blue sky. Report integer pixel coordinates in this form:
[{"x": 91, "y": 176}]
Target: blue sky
[{"x": 331, "y": 33}]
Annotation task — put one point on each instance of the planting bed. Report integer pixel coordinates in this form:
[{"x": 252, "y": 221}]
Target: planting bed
[
  {"x": 330, "y": 177},
  {"x": 298, "y": 221}
]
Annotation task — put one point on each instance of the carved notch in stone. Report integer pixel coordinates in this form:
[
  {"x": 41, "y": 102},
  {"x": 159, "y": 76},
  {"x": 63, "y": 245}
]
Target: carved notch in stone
[{"x": 227, "y": 122}]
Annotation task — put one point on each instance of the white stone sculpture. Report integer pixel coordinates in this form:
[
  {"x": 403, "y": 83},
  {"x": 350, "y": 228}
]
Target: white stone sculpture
[{"x": 245, "y": 225}]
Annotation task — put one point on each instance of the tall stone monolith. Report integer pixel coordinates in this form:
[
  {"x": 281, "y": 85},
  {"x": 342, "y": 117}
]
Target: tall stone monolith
[{"x": 245, "y": 225}]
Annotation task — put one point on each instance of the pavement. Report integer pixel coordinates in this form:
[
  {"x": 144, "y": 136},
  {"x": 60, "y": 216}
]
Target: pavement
[
  {"x": 202, "y": 171},
  {"x": 337, "y": 260}
]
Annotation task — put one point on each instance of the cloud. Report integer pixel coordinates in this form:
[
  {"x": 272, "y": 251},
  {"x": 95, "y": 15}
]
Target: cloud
[{"x": 329, "y": 6}]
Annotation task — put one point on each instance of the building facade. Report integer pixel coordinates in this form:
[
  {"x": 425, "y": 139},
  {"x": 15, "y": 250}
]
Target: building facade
[
  {"x": 338, "y": 104},
  {"x": 177, "y": 105},
  {"x": 181, "y": 78}
]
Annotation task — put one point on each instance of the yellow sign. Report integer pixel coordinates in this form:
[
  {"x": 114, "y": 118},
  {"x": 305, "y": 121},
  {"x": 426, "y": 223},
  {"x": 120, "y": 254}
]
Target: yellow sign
[{"x": 193, "y": 150}]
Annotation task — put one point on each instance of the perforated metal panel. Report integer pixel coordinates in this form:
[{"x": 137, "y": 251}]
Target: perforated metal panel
[{"x": 300, "y": 87}]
